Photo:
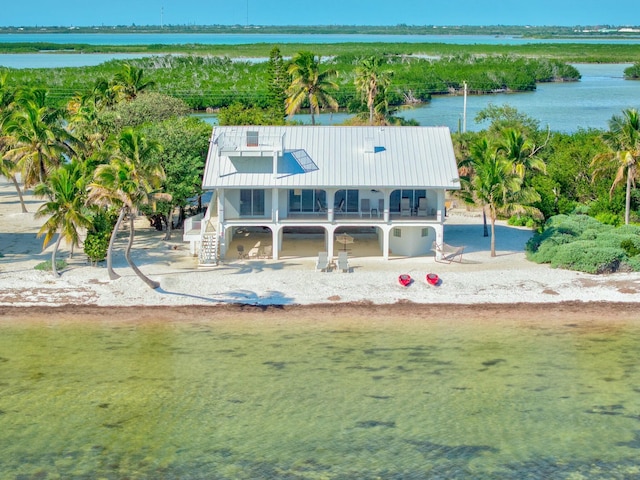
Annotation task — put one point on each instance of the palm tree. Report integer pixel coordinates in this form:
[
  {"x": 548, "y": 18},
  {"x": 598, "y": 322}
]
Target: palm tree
[
  {"x": 495, "y": 184},
  {"x": 65, "y": 210},
  {"x": 520, "y": 151},
  {"x": 38, "y": 140},
  {"x": 129, "y": 181},
  {"x": 371, "y": 80},
  {"x": 309, "y": 84},
  {"x": 623, "y": 140},
  {"x": 8, "y": 169},
  {"x": 129, "y": 81},
  {"x": 83, "y": 111}
]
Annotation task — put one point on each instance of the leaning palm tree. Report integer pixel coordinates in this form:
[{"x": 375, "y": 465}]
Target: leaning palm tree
[
  {"x": 370, "y": 80},
  {"x": 623, "y": 140},
  {"x": 65, "y": 210},
  {"x": 129, "y": 181},
  {"x": 309, "y": 84},
  {"x": 495, "y": 184}
]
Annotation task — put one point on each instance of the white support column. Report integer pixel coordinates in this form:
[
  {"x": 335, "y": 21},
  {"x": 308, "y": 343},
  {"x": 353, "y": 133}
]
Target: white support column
[
  {"x": 386, "y": 231},
  {"x": 439, "y": 228},
  {"x": 275, "y": 240},
  {"x": 221, "y": 202},
  {"x": 223, "y": 241},
  {"x": 275, "y": 204},
  {"x": 331, "y": 194},
  {"x": 385, "y": 215},
  {"x": 331, "y": 229},
  {"x": 275, "y": 163}
]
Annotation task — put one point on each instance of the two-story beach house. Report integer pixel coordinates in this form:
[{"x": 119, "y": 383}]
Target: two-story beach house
[{"x": 286, "y": 180}]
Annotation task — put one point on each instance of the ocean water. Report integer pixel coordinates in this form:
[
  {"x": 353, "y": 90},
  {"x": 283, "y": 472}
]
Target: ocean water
[
  {"x": 601, "y": 93},
  {"x": 565, "y": 107},
  {"x": 353, "y": 400}
]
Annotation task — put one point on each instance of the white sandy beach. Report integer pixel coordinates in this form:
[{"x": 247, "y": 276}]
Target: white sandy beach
[{"x": 478, "y": 279}]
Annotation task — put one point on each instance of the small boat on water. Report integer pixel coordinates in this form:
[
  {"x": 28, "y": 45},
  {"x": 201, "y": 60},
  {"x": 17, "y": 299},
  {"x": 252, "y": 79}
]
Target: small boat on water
[
  {"x": 432, "y": 279},
  {"x": 404, "y": 279}
]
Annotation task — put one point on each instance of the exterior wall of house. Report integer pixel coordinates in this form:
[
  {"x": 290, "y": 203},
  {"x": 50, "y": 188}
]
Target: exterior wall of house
[
  {"x": 417, "y": 234},
  {"x": 413, "y": 240}
]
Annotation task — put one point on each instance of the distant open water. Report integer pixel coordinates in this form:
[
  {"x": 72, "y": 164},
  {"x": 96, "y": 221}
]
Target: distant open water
[{"x": 564, "y": 107}]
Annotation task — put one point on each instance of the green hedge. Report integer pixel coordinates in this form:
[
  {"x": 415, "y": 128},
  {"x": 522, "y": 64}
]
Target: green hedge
[{"x": 580, "y": 242}]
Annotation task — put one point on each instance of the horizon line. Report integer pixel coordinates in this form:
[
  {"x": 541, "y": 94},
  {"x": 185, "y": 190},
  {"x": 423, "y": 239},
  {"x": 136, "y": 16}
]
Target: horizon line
[{"x": 328, "y": 26}]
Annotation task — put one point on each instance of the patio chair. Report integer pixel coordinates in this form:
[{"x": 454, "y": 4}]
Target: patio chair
[
  {"x": 322, "y": 263},
  {"x": 241, "y": 253},
  {"x": 422, "y": 207},
  {"x": 447, "y": 253},
  {"x": 365, "y": 207},
  {"x": 254, "y": 252},
  {"x": 267, "y": 251},
  {"x": 340, "y": 207},
  {"x": 321, "y": 208},
  {"x": 405, "y": 207},
  {"x": 342, "y": 265}
]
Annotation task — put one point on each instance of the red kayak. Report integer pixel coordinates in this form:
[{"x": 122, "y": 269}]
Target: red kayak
[
  {"x": 404, "y": 279},
  {"x": 432, "y": 279}
]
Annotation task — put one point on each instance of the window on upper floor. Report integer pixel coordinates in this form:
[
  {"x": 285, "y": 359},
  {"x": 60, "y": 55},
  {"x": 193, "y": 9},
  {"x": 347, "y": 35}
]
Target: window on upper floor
[
  {"x": 350, "y": 199},
  {"x": 307, "y": 201},
  {"x": 395, "y": 199},
  {"x": 251, "y": 203}
]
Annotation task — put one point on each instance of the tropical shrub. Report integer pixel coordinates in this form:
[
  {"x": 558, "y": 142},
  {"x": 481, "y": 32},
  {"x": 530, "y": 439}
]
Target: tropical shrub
[
  {"x": 609, "y": 218},
  {"x": 96, "y": 245},
  {"x": 46, "y": 265},
  {"x": 582, "y": 243},
  {"x": 145, "y": 108},
  {"x": 97, "y": 241},
  {"x": 523, "y": 221}
]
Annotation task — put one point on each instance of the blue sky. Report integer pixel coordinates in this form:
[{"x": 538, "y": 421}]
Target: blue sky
[{"x": 326, "y": 12}]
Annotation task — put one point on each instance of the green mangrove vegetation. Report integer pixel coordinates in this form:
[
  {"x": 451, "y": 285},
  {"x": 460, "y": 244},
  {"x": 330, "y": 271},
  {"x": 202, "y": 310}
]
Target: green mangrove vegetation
[{"x": 214, "y": 82}]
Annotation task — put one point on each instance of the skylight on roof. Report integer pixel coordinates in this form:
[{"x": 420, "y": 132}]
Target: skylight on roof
[{"x": 304, "y": 160}]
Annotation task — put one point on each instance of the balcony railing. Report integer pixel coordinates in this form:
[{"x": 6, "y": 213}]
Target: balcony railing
[{"x": 229, "y": 142}]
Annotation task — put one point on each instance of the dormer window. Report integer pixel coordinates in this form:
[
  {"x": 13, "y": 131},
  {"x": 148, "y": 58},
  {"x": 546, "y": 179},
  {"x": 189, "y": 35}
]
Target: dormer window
[{"x": 252, "y": 138}]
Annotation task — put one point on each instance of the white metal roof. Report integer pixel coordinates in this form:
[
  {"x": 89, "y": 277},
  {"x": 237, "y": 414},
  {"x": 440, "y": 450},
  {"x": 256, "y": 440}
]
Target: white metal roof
[{"x": 331, "y": 157}]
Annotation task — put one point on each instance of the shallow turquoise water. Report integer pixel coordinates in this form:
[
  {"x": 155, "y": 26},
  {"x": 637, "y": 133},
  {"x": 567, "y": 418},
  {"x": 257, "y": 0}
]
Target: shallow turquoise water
[{"x": 317, "y": 401}]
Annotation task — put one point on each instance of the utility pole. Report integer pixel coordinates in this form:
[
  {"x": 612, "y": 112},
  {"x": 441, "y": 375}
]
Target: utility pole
[
  {"x": 464, "y": 110},
  {"x": 247, "y": 13},
  {"x": 161, "y": 17}
]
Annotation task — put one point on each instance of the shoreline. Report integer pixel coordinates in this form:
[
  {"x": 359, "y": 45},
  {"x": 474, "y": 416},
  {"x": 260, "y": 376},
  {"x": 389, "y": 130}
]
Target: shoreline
[
  {"x": 504, "y": 285},
  {"x": 569, "y": 314}
]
